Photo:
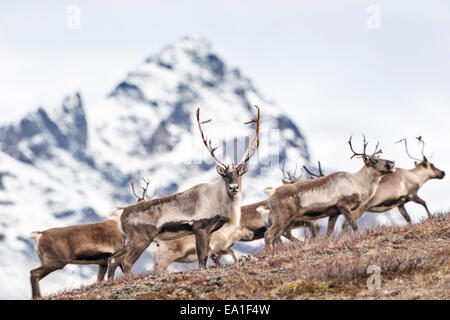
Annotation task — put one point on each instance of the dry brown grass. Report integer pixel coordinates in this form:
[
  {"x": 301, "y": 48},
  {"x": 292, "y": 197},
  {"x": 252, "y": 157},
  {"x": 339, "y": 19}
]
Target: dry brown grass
[{"x": 414, "y": 262}]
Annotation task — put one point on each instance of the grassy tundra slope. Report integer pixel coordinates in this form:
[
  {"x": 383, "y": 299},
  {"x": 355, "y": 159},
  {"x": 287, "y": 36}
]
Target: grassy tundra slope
[{"x": 414, "y": 262}]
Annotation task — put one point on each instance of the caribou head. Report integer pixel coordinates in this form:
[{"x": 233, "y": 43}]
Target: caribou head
[
  {"x": 373, "y": 161},
  {"x": 424, "y": 164},
  {"x": 232, "y": 173}
]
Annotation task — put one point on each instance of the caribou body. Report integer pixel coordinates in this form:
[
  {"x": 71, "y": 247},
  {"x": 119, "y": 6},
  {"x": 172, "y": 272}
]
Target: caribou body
[
  {"x": 400, "y": 187},
  {"x": 199, "y": 210},
  {"x": 91, "y": 243},
  {"x": 328, "y": 196},
  {"x": 258, "y": 217}
]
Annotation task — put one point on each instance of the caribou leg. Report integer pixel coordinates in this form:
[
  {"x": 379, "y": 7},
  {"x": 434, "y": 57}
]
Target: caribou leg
[
  {"x": 313, "y": 229},
  {"x": 282, "y": 216},
  {"x": 102, "y": 271},
  {"x": 115, "y": 261},
  {"x": 356, "y": 215},
  {"x": 37, "y": 274},
  {"x": 277, "y": 241},
  {"x": 161, "y": 266},
  {"x": 216, "y": 259},
  {"x": 287, "y": 233},
  {"x": 404, "y": 213},
  {"x": 202, "y": 238},
  {"x": 419, "y": 200},
  {"x": 133, "y": 255},
  {"x": 331, "y": 222},
  {"x": 136, "y": 241},
  {"x": 232, "y": 254},
  {"x": 273, "y": 233},
  {"x": 344, "y": 208},
  {"x": 202, "y": 230}
]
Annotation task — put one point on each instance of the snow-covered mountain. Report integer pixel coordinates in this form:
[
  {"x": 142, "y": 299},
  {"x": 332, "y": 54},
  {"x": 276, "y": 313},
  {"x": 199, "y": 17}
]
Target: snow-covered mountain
[{"x": 71, "y": 163}]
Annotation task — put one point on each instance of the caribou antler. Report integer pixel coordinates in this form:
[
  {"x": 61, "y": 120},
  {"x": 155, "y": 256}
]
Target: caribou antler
[
  {"x": 377, "y": 151},
  {"x": 249, "y": 152},
  {"x": 421, "y": 141},
  {"x": 356, "y": 154},
  {"x": 204, "y": 139},
  {"x": 406, "y": 148},
  {"x": 321, "y": 174},
  {"x": 289, "y": 178},
  {"x": 144, "y": 191},
  {"x": 364, "y": 154},
  {"x": 254, "y": 144},
  {"x": 320, "y": 170}
]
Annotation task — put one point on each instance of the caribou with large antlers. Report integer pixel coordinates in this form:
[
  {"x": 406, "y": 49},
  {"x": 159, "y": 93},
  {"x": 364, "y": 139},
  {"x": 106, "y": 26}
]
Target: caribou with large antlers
[
  {"x": 329, "y": 196},
  {"x": 402, "y": 186},
  {"x": 199, "y": 210}
]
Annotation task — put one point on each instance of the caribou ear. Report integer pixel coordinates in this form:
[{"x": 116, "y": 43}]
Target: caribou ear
[
  {"x": 425, "y": 159},
  {"x": 366, "y": 160},
  {"x": 220, "y": 170},
  {"x": 243, "y": 169}
]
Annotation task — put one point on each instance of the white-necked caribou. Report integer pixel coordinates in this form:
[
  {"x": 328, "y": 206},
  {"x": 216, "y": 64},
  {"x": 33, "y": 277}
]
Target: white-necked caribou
[
  {"x": 199, "y": 210},
  {"x": 328, "y": 196},
  {"x": 398, "y": 188}
]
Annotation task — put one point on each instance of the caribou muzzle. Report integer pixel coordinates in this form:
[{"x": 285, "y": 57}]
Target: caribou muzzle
[{"x": 233, "y": 189}]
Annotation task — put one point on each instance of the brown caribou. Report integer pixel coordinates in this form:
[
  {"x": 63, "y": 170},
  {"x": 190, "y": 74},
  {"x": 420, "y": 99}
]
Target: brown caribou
[
  {"x": 398, "y": 188},
  {"x": 199, "y": 210},
  {"x": 329, "y": 196},
  {"x": 91, "y": 243},
  {"x": 258, "y": 218}
]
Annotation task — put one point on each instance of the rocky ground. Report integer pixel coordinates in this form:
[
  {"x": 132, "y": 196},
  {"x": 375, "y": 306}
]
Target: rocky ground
[{"x": 413, "y": 259}]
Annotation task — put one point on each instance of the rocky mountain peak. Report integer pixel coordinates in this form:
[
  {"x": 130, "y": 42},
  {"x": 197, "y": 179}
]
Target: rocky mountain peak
[{"x": 38, "y": 133}]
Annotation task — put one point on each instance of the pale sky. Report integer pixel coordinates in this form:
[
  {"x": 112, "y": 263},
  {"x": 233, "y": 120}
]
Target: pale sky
[{"x": 321, "y": 63}]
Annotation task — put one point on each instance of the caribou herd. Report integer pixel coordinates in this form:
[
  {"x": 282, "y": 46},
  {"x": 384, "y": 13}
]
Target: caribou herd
[{"x": 205, "y": 221}]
